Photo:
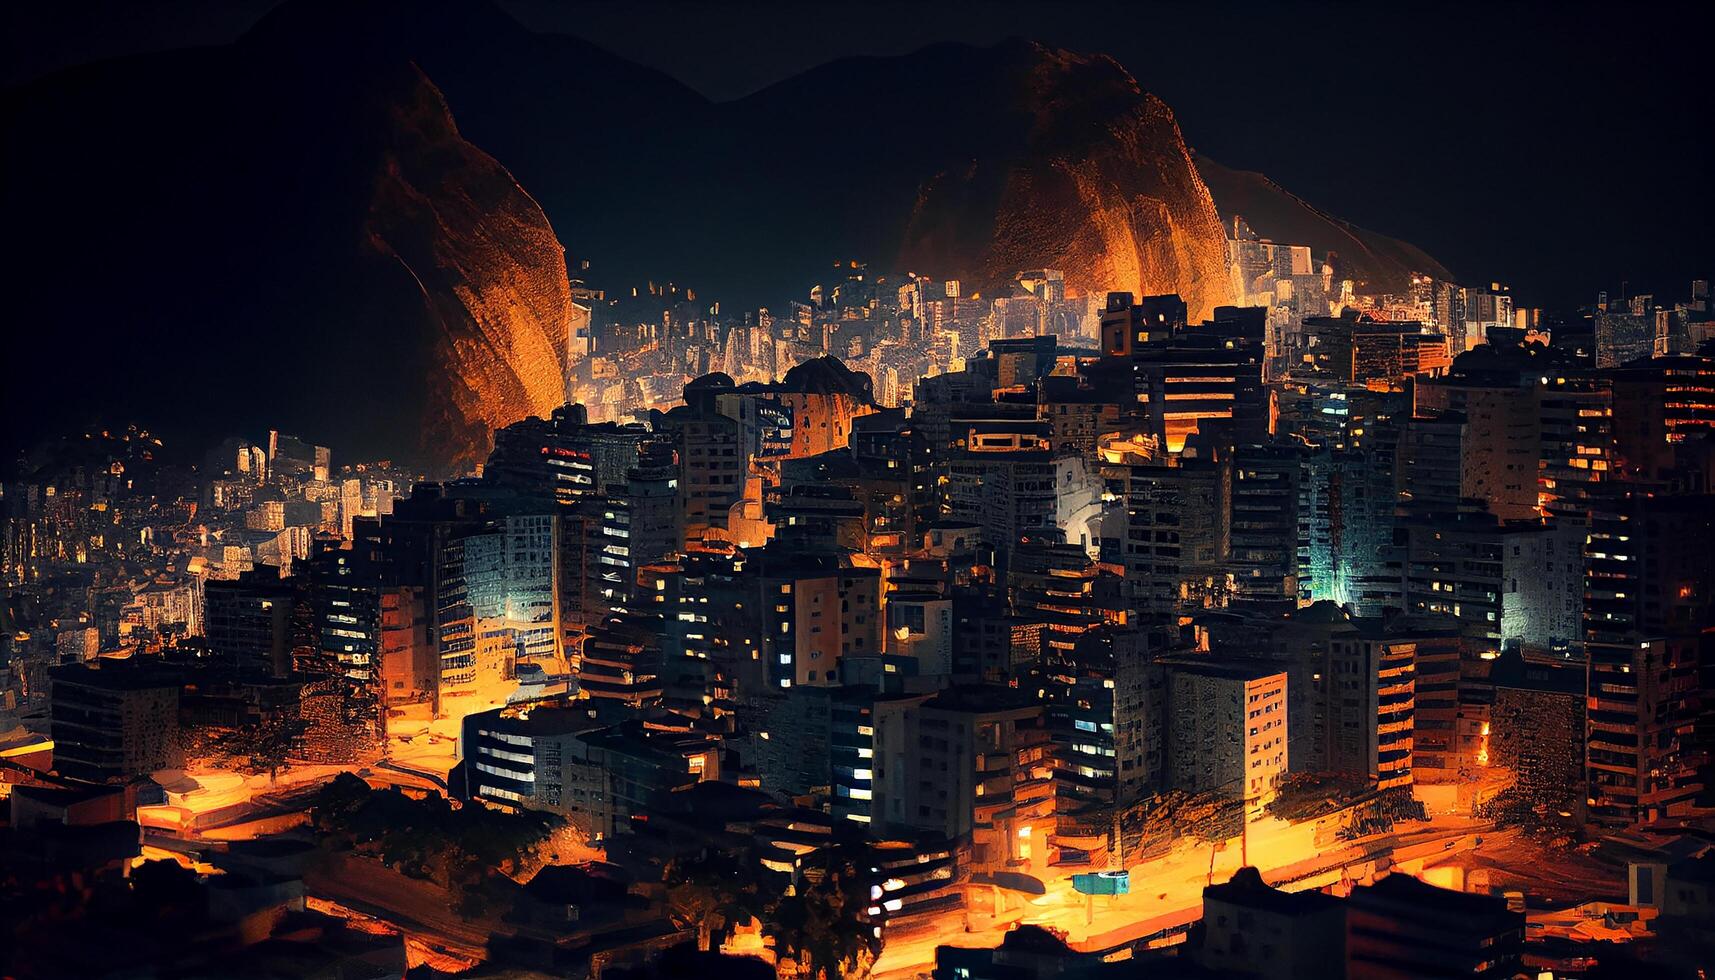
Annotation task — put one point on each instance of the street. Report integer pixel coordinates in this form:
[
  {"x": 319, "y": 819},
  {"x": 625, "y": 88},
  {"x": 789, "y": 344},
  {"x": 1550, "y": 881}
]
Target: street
[{"x": 1167, "y": 892}]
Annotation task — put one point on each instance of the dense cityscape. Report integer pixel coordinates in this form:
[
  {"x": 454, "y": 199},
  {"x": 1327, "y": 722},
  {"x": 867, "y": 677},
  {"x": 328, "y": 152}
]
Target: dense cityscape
[{"x": 1358, "y": 625}]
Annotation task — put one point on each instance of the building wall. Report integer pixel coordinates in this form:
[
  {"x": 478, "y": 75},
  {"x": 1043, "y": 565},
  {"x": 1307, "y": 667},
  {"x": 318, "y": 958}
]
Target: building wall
[
  {"x": 1501, "y": 449},
  {"x": 1542, "y": 587},
  {"x": 1174, "y": 532},
  {"x": 959, "y": 772},
  {"x": 1256, "y": 942},
  {"x": 1399, "y": 934},
  {"x": 408, "y": 663},
  {"x": 102, "y": 732},
  {"x": 1538, "y": 736},
  {"x": 1226, "y": 734}
]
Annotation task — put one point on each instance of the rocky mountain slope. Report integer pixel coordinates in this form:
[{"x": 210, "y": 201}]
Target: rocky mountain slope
[
  {"x": 292, "y": 231},
  {"x": 495, "y": 294},
  {"x": 238, "y": 237},
  {"x": 978, "y": 163},
  {"x": 1378, "y": 263}
]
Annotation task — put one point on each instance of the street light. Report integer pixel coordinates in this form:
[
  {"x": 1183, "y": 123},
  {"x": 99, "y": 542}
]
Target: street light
[{"x": 1245, "y": 801}]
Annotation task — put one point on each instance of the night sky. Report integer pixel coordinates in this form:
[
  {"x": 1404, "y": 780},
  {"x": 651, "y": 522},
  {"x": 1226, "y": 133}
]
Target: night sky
[{"x": 1558, "y": 148}]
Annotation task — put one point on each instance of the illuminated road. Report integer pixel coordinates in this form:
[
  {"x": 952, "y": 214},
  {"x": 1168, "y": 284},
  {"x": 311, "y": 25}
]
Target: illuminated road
[
  {"x": 1167, "y": 892},
  {"x": 418, "y": 908},
  {"x": 420, "y": 755},
  {"x": 202, "y": 800},
  {"x": 1165, "y": 896}
]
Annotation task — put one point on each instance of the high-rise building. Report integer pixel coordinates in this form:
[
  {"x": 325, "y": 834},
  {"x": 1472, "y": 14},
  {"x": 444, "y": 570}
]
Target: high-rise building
[
  {"x": 1577, "y": 413},
  {"x": 712, "y": 624},
  {"x": 1175, "y": 538},
  {"x": 409, "y": 667},
  {"x": 1250, "y": 929},
  {"x": 1367, "y": 349},
  {"x": 1105, "y": 709},
  {"x": 564, "y": 456},
  {"x": 113, "y": 722},
  {"x": 816, "y": 610},
  {"x": 651, "y": 496},
  {"x": 556, "y": 758},
  {"x": 1647, "y": 602},
  {"x": 1348, "y": 500},
  {"x": 596, "y": 572},
  {"x": 1623, "y": 336},
  {"x": 1501, "y": 449},
  {"x": 1264, "y": 527},
  {"x": 851, "y": 754},
  {"x": 1537, "y": 730},
  {"x": 251, "y": 620},
  {"x": 1352, "y": 695},
  {"x": 1542, "y": 586},
  {"x": 920, "y": 630},
  {"x": 1658, "y": 405},
  {"x": 292, "y": 458},
  {"x": 510, "y": 575},
  {"x": 1227, "y": 728},
  {"x": 1188, "y": 378},
  {"x": 1429, "y": 462},
  {"x": 621, "y": 663},
  {"x": 1002, "y": 477},
  {"x": 1128, "y": 326},
  {"x": 713, "y": 461},
  {"x": 1453, "y": 565},
  {"x": 345, "y": 606},
  {"x": 968, "y": 762}
]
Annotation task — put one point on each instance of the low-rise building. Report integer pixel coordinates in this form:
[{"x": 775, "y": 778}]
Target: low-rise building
[
  {"x": 1254, "y": 930},
  {"x": 1401, "y": 927}
]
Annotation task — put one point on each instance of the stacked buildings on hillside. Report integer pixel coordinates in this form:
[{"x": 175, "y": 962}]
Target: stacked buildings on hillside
[{"x": 982, "y": 580}]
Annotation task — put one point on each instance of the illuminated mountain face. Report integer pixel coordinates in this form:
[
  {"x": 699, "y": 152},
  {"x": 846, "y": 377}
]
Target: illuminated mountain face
[
  {"x": 978, "y": 163},
  {"x": 246, "y": 238},
  {"x": 1101, "y": 188},
  {"x": 493, "y": 276},
  {"x": 291, "y": 232}
]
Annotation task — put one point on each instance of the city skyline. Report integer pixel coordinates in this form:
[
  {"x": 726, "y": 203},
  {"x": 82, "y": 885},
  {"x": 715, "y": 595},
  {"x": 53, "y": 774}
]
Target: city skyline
[{"x": 474, "y": 505}]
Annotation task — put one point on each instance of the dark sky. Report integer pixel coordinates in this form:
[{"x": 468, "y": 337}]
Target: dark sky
[{"x": 1559, "y": 147}]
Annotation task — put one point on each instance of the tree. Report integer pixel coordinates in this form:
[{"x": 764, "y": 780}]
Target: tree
[
  {"x": 715, "y": 890},
  {"x": 1162, "y": 820},
  {"x": 814, "y": 924},
  {"x": 458, "y": 848},
  {"x": 818, "y": 926},
  {"x": 265, "y": 746},
  {"x": 336, "y": 805}
]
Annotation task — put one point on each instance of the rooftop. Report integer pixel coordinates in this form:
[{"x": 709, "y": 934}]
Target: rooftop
[
  {"x": 117, "y": 675},
  {"x": 1247, "y": 889},
  {"x": 577, "y": 884},
  {"x": 1402, "y": 892},
  {"x": 1231, "y": 668},
  {"x": 981, "y": 698}
]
